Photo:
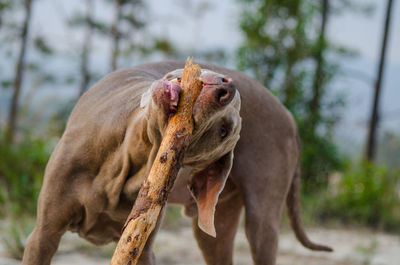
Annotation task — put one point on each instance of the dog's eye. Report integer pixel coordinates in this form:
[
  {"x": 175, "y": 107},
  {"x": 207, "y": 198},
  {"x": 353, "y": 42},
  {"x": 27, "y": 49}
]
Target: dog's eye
[{"x": 223, "y": 131}]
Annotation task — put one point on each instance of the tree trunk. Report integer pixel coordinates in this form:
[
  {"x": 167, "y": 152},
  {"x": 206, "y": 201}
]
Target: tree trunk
[
  {"x": 154, "y": 191},
  {"x": 116, "y": 35},
  {"x": 374, "y": 120},
  {"x": 319, "y": 72},
  {"x": 84, "y": 67},
  {"x": 289, "y": 86},
  {"x": 19, "y": 73}
]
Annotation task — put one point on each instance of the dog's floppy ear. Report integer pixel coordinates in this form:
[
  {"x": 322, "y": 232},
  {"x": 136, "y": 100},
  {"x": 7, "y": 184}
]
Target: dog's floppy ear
[{"x": 206, "y": 186}]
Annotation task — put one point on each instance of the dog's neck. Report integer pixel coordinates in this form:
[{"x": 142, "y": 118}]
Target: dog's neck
[{"x": 146, "y": 128}]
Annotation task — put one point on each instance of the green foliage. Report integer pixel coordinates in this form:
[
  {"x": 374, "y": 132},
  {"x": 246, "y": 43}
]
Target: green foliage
[
  {"x": 320, "y": 156},
  {"x": 21, "y": 173},
  {"x": 22, "y": 167},
  {"x": 6, "y": 83},
  {"x": 283, "y": 44},
  {"x": 368, "y": 194},
  {"x": 277, "y": 42},
  {"x": 161, "y": 45},
  {"x": 42, "y": 45}
]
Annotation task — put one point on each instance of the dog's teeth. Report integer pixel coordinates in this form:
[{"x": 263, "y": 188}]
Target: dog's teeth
[{"x": 175, "y": 103}]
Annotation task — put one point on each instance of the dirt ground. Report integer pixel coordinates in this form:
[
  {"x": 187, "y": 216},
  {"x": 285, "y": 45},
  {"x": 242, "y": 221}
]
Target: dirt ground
[{"x": 352, "y": 247}]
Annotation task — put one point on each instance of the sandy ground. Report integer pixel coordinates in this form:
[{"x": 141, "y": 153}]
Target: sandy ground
[{"x": 352, "y": 247}]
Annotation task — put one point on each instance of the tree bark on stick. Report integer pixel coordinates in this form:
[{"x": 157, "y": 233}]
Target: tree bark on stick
[{"x": 155, "y": 189}]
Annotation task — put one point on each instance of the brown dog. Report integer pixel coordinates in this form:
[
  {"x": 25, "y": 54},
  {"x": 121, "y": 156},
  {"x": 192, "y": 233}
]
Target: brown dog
[{"x": 110, "y": 143}]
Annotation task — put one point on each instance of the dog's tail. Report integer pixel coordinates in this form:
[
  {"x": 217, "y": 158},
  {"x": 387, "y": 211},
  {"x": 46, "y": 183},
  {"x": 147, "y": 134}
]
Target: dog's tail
[{"x": 293, "y": 205}]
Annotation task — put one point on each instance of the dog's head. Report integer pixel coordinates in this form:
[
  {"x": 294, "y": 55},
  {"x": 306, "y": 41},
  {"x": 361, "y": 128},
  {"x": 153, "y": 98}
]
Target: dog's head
[{"x": 217, "y": 124}]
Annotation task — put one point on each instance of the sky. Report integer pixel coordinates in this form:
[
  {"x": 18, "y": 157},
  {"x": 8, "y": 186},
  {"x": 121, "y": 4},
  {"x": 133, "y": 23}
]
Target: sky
[{"x": 216, "y": 25}]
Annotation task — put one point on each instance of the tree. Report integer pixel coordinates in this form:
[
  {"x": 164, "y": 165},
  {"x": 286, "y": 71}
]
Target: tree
[
  {"x": 123, "y": 28},
  {"x": 85, "y": 79},
  {"x": 87, "y": 22},
  {"x": 319, "y": 76},
  {"x": 24, "y": 47},
  {"x": 115, "y": 33},
  {"x": 4, "y": 6},
  {"x": 284, "y": 48},
  {"x": 128, "y": 35},
  {"x": 19, "y": 71},
  {"x": 374, "y": 120}
]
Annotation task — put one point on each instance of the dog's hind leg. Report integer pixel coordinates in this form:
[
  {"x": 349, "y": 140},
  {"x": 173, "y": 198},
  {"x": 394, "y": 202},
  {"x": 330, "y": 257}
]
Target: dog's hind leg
[{"x": 265, "y": 189}]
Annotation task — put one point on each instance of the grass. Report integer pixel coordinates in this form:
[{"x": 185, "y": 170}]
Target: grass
[
  {"x": 21, "y": 175},
  {"x": 366, "y": 195}
]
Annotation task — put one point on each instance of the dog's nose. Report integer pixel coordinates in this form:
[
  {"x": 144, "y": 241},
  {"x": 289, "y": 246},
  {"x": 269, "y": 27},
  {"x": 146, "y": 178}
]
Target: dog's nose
[
  {"x": 225, "y": 90},
  {"x": 222, "y": 87},
  {"x": 224, "y": 94}
]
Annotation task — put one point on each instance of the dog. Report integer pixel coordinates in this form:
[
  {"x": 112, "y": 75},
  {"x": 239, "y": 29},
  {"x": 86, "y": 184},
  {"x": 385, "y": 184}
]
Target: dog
[{"x": 244, "y": 153}]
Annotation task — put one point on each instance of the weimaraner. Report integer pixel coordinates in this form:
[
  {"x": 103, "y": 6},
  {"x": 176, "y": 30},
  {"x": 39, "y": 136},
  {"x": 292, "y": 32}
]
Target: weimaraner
[{"x": 110, "y": 143}]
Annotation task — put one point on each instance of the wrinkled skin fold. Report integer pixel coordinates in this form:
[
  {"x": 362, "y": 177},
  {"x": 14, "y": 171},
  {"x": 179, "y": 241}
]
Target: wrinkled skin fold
[{"x": 112, "y": 138}]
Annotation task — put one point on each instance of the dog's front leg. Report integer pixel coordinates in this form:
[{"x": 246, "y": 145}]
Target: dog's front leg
[
  {"x": 41, "y": 246},
  {"x": 57, "y": 210}
]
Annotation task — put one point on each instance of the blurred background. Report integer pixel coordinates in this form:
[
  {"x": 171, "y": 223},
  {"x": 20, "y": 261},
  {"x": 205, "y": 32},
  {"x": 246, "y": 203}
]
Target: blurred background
[{"x": 335, "y": 64}]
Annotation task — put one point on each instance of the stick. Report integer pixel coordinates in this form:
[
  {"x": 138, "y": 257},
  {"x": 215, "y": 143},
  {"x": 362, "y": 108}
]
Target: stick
[{"x": 155, "y": 189}]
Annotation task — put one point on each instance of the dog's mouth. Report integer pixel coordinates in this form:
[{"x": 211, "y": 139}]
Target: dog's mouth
[
  {"x": 173, "y": 89},
  {"x": 216, "y": 92}
]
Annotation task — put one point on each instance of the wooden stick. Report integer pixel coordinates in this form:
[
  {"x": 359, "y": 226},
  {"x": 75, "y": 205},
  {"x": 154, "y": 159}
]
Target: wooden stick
[{"x": 155, "y": 189}]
